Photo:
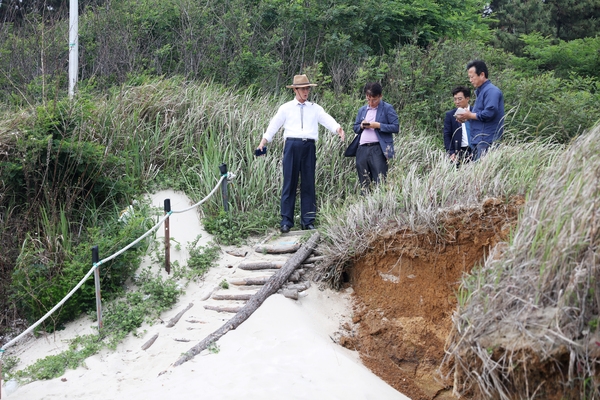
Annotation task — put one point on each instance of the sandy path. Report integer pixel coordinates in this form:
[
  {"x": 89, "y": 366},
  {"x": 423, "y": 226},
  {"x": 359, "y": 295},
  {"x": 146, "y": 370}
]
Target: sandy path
[{"x": 283, "y": 351}]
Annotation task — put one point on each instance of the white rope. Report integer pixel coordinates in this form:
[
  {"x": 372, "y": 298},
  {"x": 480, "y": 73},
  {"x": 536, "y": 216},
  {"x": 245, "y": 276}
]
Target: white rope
[
  {"x": 82, "y": 281},
  {"x": 204, "y": 199}
]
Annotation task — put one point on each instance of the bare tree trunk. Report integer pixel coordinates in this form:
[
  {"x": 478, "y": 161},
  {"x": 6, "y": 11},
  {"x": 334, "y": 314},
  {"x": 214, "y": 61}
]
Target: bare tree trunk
[{"x": 270, "y": 287}]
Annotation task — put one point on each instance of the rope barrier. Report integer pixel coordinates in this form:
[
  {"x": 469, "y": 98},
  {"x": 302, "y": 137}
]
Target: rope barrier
[
  {"x": 96, "y": 265},
  {"x": 204, "y": 199}
]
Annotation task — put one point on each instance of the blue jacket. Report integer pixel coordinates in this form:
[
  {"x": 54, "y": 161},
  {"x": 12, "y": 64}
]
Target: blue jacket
[
  {"x": 489, "y": 107},
  {"x": 452, "y": 133},
  {"x": 387, "y": 117}
]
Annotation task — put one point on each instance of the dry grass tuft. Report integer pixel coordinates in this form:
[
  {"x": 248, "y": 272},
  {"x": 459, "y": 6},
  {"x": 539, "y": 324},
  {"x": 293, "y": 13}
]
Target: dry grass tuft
[
  {"x": 529, "y": 325},
  {"x": 421, "y": 188}
]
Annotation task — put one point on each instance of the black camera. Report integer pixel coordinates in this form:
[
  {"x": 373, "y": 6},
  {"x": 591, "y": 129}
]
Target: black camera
[{"x": 259, "y": 152}]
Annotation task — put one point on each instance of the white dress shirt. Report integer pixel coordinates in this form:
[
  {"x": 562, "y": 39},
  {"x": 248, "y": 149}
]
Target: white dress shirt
[
  {"x": 300, "y": 124},
  {"x": 464, "y": 140}
]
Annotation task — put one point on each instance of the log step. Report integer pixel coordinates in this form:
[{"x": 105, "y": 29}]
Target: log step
[
  {"x": 277, "y": 249},
  {"x": 176, "y": 318},
  {"x": 255, "y": 266},
  {"x": 229, "y": 296},
  {"x": 312, "y": 260},
  {"x": 249, "y": 281},
  {"x": 229, "y": 309}
]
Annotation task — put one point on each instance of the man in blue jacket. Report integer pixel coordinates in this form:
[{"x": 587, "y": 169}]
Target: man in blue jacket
[
  {"x": 486, "y": 119},
  {"x": 376, "y": 123},
  {"x": 456, "y": 135}
]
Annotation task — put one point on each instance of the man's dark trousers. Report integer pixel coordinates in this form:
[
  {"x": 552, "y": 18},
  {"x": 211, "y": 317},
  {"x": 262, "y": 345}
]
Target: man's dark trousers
[
  {"x": 299, "y": 159},
  {"x": 371, "y": 164}
]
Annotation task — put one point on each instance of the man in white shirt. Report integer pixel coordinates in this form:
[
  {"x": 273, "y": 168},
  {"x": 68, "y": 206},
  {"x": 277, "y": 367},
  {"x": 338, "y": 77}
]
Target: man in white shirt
[{"x": 300, "y": 119}]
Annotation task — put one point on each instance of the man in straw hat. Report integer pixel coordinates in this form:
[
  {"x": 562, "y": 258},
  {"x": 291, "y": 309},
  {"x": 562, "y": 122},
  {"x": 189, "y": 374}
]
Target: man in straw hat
[{"x": 300, "y": 119}]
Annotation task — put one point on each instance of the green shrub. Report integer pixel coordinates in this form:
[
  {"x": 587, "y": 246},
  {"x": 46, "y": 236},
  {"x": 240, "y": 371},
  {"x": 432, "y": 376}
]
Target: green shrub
[
  {"x": 153, "y": 296},
  {"x": 43, "y": 276},
  {"x": 225, "y": 228},
  {"x": 120, "y": 317}
]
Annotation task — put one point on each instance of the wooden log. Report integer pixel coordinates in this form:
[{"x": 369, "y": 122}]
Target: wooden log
[
  {"x": 223, "y": 308},
  {"x": 276, "y": 249},
  {"x": 237, "y": 253},
  {"x": 260, "y": 280},
  {"x": 294, "y": 277},
  {"x": 150, "y": 342},
  {"x": 302, "y": 286},
  {"x": 311, "y": 260},
  {"x": 290, "y": 294},
  {"x": 253, "y": 287},
  {"x": 176, "y": 318},
  {"x": 261, "y": 265},
  {"x": 239, "y": 296},
  {"x": 268, "y": 289}
]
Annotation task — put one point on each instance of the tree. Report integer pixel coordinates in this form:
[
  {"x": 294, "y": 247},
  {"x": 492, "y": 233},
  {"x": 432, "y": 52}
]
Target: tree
[
  {"x": 557, "y": 19},
  {"x": 575, "y": 19},
  {"x": 513, "y": 18}
]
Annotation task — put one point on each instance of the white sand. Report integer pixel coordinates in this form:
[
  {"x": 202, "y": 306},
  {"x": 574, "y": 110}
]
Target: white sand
[{"x": 283, "y": 351}]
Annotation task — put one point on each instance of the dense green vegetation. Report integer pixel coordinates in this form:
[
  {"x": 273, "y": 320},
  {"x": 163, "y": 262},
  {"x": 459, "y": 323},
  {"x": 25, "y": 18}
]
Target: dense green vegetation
[
  {"x": 174, "y": 88},
  {"x": 151, "y": 296}
]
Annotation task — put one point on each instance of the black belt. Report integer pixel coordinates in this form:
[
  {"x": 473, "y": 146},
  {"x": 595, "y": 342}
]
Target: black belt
[
  {"x": 370, "y": 144},
  {"x": 302, "y": 139}
]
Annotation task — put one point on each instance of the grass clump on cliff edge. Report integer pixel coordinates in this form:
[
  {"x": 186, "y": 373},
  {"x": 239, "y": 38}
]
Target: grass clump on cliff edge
[
  {"x": 421, "y": 184},
  {"x": 529, "y": 326}
]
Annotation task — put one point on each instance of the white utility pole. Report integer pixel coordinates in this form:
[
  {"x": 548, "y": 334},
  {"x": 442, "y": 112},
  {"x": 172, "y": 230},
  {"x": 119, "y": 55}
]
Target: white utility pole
[{"x": 73, "y": 45}]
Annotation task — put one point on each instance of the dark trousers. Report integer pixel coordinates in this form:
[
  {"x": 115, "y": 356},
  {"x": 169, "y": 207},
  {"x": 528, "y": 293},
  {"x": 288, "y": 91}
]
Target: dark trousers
[
  {"x": 371, "y": 164},
  {"x": 299, "y": 160},
  {"x": 479, "y": 150},
  {"x": 463, "y": 156}
]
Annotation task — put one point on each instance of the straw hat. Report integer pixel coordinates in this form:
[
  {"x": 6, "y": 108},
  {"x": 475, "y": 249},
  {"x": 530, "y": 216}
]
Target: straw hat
[{"x": 300, "y": 81}]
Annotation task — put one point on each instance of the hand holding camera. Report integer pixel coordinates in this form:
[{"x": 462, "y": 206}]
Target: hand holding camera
[{"x": 260, "y": 152}]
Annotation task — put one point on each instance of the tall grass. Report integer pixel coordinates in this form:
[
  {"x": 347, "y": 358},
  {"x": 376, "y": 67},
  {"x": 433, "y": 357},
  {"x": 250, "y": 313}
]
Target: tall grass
[
  {"x": 537, "y": 306},
  {"x": 70, "y": 166},
  {"x": 180, "y": 132}
]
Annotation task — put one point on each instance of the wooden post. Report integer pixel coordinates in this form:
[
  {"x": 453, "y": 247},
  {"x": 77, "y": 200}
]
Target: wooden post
[
  {"x": 223, "y": 170},
  {"x": 95, "y": 259},
  {"x": 167, "y": 238}
]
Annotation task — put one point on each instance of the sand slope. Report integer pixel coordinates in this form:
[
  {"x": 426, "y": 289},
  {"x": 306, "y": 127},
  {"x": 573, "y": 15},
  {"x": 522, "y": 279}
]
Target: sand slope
[{"x": 283, "y": 351}]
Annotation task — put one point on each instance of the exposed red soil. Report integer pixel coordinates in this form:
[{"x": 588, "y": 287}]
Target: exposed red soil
[{"x": 405, "y": 294}]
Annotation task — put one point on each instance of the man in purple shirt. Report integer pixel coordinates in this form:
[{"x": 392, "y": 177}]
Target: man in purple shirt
[
  {"x": 486, "y": 119},
  {"x": 376, "y": 123}
]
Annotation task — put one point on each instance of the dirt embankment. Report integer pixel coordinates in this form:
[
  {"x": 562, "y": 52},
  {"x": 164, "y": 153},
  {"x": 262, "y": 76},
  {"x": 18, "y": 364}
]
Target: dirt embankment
[{"x": 405, "y": 294}]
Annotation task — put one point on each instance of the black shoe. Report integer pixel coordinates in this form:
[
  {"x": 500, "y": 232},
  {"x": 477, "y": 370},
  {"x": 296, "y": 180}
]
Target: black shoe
[
  {"x": 309, "y": 227},
  {"x": 284, "y": 229}
]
